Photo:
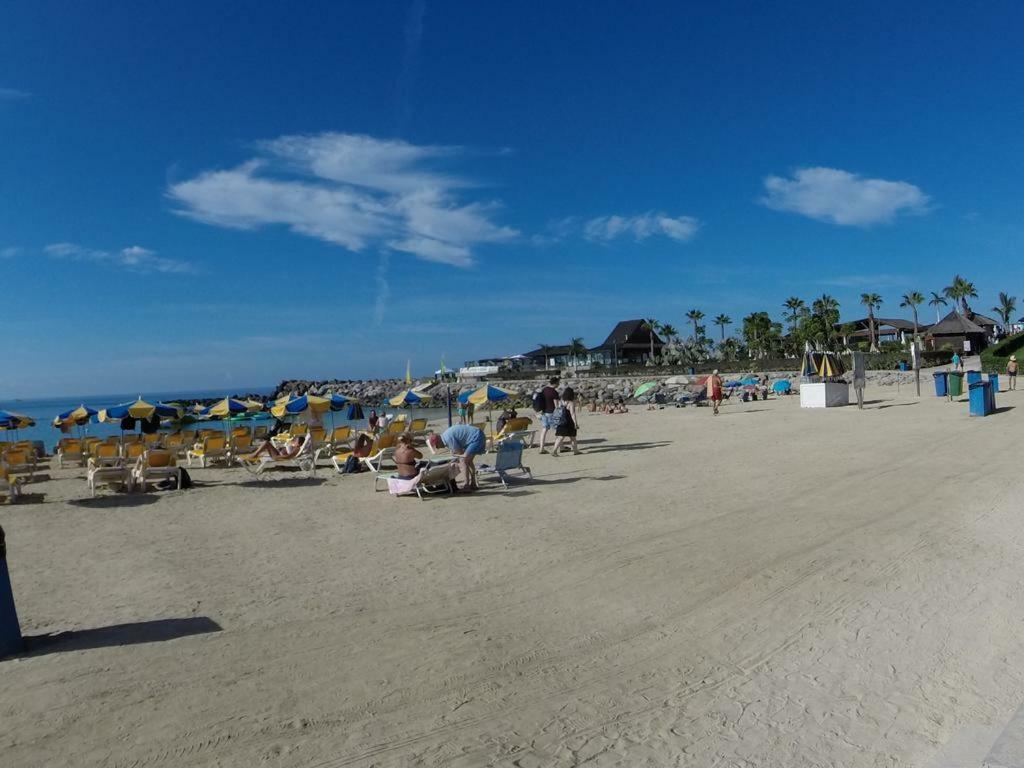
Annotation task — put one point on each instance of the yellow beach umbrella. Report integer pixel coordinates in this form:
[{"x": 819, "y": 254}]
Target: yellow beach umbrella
[{"x": 140, "y": 409}]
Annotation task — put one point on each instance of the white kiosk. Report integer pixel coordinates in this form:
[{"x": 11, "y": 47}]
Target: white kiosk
[{"x": 822, "y": 384}]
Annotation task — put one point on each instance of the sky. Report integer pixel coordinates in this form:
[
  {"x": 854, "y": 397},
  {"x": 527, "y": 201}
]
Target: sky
[{"x": 222, "y": 195}]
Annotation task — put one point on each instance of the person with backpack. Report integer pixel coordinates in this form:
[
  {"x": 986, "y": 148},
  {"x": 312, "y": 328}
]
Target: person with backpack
[{"x": 548, "y": 398}]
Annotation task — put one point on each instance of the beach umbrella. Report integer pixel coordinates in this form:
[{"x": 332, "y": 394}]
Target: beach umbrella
[
  {"x": 781, "y": 386},
  {"x": 225, "y": 408},
  {"x": 646, "y": 387},
  {"x": 140, "y": 409},
  {"x": 408, "y": 397},
  {"x": 80, "y": 415},
  {"x": 15, "y": 421},
  {"x": 677, "y": 381},
  {"x": 751, "y": 381},
  {"x": 735, "y": 383},
  {"x": 485, "y": 395},
  {"x": 301, "y": 405}
]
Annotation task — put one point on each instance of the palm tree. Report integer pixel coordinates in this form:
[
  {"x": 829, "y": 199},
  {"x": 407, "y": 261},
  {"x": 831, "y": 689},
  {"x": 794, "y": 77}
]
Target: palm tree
[
  {"x": 669, "y": 332},
  {"x": 936, "y": 301},
  {"x": 721, "y": 321},
  {"x": 651, "y": 325},
  {"x": 545, "y": 349},
  {"x": 1007, "y": 306},
  {"x": 961, "y": 290},
  {"x": 872, "y": 301},
  {"x": 825, "y": 310},
  {"x": 795, "y": 306},
  {"x": 913, "y": 300},
  {"x": 576, "y": 348},
  {"x": 695, "y": 316}
]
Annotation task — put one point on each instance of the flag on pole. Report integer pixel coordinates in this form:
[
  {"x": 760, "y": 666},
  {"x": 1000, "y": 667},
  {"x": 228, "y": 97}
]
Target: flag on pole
[
  {"x": 443, "y": 371},
  {"x": 408, "y": 371}
]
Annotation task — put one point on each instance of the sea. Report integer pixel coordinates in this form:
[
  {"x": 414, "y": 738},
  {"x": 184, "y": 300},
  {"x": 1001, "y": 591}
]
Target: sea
[{"x": 44, "y": 410}]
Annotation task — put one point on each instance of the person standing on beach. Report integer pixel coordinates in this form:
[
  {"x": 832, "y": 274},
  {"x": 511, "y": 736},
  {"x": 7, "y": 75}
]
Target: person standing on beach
[
  {"x": 1011, "y": 371},
  {"x": 567, "y": 424},
  {"x": 958, "y": 363},
  {"x": 714, "y": 389},
  {"x": 550, "y": 397},
  {"x": 466, "y": 442}
]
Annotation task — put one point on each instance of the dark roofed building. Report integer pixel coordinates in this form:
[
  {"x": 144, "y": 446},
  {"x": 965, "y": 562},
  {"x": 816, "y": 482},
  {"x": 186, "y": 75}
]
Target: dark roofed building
[
  {"x": 886, "y": 329},
  {"x": 629, "y": 341},
  {"x": 959, "y": 333}
]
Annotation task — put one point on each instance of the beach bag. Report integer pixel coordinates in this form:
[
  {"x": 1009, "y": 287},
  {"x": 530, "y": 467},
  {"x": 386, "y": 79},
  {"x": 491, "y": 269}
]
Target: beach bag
[
  {"x": 538, "y": 401},
  {"x": 352, "y": 466},
  {"x": 560, "y": 416}
]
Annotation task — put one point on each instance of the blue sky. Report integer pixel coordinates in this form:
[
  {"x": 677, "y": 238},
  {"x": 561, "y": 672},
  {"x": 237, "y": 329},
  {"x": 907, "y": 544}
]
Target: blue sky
[{"x": 197, "y": 195}]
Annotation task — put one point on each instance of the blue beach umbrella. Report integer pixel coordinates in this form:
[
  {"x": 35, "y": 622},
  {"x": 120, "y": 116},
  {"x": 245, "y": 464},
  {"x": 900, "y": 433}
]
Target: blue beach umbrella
[
  {"x": 408, "y": 397},
  {"x": 781, "y": 386},
  {"x": 731, "y": 384},
  {"x": 81, "y": 415}
]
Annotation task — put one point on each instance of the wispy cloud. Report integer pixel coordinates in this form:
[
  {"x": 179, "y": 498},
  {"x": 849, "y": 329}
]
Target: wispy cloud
[
  {"x": 134, "y": 258},
  {"x": 641, "y": 227},
  {"x": 13, "y": 94},
  {"x": 9, "y": 252},
  {"x": 354, "y": 191},
  {"x": 383, "y": 289},
  {"x": 603, "y": 229},
  {"x": 841, "y": 197}
]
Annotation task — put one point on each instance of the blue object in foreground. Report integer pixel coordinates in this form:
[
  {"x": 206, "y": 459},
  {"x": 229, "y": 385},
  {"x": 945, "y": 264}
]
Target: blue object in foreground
[
  {"x": 980, "y": 400},
  {"x": 941, "y": 383},
  {"x": 10, "y": 629},
  {"x": 973, "y": 377}
]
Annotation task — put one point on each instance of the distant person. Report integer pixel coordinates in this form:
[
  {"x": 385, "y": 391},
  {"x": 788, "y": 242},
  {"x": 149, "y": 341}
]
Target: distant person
[
  {"x": 506, "y": 416},
  {"x": 714, "y": 390},
  {"x": 568, "y": 424},
  {"x": 406, "y": 457},
  {"x": 549, "y": 395},
  {"x": 466, "y": 442},
  {"x": 958, "y": 363},
  {"x": 1011, "y": 371},
  {"x": 374, "y": 420}
]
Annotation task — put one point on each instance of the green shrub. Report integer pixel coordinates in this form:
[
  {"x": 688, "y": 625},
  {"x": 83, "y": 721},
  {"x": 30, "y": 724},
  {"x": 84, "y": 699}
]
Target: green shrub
[{"x": 994, "y": 358}]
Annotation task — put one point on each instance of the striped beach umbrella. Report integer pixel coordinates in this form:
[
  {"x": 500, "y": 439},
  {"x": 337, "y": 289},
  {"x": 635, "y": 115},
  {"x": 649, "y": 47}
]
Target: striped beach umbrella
[
  {"x": 12, "y": 420},
  {"x": 81, "y": 415},
  {"x": 485, "y": 395},
  {"x": 408, "y": 397},
  {"x": 140, "y": 409},
  {"x": 222, "y": 409}
]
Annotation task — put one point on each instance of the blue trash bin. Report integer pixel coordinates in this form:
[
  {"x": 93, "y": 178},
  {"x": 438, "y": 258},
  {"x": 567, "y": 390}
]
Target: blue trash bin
[
  {"x": 903, "y": 365},
  {"x": 973, "y": 377},
  {"x": 941, "y": 383},
  {"x": 980, "y": 398},
  {"x": 994, "y": 378},
  {"x": 10, "y": 630}
]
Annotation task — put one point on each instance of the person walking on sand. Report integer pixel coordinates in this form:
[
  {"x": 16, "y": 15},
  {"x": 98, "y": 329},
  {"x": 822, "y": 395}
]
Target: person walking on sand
[
  {"x": 547, "y": 421},
  {"x": 567, "y": 424},
  {"x": 958, "y": 363},
  {"x": 714, "y": 390},
  {"x": 1011, "y": 371}
]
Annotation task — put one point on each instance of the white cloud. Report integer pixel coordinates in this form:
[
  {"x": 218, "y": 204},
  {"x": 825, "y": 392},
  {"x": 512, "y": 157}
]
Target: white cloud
[
  {"x": 354, "y": 191},
  {"x": 841, "y": 197},
  {"x": 641, "y": 227},
  {"x": 9, "y": 253},
  {"x": 12, "y": 94},
  {"x": 134, "y": 258}
]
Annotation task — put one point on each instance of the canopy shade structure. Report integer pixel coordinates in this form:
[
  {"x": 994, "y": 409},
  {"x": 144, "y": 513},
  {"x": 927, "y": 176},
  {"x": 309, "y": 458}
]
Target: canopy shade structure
[
  {"x": 485, "y": 395},
  {"x": 79, "y": 416},
  {"x": 12, "y": 420},
  {"x": 827, "y": 365},
  {"x": 408, "y": 397},
  {"x": 140, "y": 409}
]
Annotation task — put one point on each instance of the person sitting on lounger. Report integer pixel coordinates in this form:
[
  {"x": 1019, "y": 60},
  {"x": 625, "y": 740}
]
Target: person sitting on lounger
[
  {"x": 290, "y": 450},
  {"x": 406, "y": 457}
]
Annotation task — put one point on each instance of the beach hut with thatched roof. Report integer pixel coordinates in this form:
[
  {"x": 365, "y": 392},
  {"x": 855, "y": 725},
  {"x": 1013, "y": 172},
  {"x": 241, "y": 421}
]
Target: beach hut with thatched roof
[{"x": 955, "y": 331}]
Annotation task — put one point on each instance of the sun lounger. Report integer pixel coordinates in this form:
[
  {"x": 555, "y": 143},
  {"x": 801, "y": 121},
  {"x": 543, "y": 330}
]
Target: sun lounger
[
  {"x": 19, "y": 463},
  {"x": 10, "y": 486},
  {"x": 340, "y": 437},
  {"x": 395, "y": 428},
  {"x": 304, "y": 460},
  {"x": 154, "y": 465},
  {"x": 382, "y": 449},
  {"x": 509, "y": 458},
  {"x": 432, "y": 479},
  {"x": 116, "y": 477},
  {"x": 241, "y": 445},
  {"x": 209, "y": 449},
  {"x": 515, "y": 429},
  {"x": 70, "y": 449},
  {"x": 105, "y": 455},
  {"x": 132, "y": 451}
]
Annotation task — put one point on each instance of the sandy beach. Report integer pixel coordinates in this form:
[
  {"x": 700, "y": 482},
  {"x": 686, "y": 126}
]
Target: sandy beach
[{"x": 771, "y": 587}]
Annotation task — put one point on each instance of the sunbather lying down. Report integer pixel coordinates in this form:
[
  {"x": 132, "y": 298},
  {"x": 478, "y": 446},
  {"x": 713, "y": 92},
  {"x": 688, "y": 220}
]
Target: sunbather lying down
[{"x": 289, "y": 450}]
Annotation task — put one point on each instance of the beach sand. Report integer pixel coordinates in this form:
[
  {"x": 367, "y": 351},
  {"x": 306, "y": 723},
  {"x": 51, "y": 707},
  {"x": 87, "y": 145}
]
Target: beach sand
[{"x": 771, "y": 587}]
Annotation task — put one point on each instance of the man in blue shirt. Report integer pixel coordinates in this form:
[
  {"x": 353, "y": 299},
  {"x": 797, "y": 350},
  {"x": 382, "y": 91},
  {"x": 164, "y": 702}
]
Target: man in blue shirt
[{"x": 466, "y": 442}]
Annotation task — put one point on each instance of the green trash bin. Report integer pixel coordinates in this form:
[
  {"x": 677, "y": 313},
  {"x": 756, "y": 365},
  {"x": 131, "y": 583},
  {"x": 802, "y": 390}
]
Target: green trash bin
[{"x": 956, "y": 383}]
